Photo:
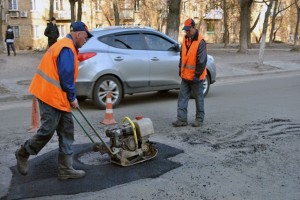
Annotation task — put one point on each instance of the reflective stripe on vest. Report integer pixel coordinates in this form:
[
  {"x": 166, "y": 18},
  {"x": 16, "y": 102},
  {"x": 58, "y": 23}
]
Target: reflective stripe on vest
[
  {"x": 45, "y": 84},
  {"x": 54, "y": 82},
  {"x": 189, "y": 60}
]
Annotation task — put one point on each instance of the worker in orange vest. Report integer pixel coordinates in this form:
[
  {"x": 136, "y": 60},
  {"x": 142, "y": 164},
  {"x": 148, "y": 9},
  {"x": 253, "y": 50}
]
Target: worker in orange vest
[
  {"x": 192, "y": 70},
  {"x": 54, "y": 86}
]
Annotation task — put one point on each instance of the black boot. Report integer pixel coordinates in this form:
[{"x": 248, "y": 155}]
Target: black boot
[
  {"x": 66, "y": 170},
  {"x": 22, "y": 158}
]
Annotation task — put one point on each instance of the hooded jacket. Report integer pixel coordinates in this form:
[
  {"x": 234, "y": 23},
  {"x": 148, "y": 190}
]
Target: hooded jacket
[{"x": 51, "y": 32}]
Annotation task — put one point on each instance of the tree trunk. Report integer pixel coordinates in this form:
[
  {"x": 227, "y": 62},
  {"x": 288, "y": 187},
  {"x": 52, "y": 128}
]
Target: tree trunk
[
  {"x": 245, "y": 25},
  {"x": 273, "y": 23},
  {"x": 116, "y": 12},
  {"x": 296, "y": 36},
  {"x": 72, "y": 7},
  {"x": 51, "y": 9},
  {"x": 249, "y": 3},
  {"x": 79, "y": 10},
  {"x": 226, "y": 35},
  {"x": 173, "y": 19},
  {"x": 1, "y": 34},
  {"x": 264, "y": 33}
]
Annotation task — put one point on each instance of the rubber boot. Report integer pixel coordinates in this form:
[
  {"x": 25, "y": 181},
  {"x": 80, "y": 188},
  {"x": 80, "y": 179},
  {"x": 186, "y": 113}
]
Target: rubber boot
[
  {"x": 22, "y": 158},
  {"x": 66, "y": 170}
]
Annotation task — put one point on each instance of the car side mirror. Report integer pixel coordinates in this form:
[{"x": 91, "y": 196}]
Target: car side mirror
[{"x": 177, "y": 47}]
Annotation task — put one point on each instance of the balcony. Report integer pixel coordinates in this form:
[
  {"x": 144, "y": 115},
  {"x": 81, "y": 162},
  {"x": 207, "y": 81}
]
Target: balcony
[
  {"x": 126, "y": 14},
  {"x": 62, "y": 14}
]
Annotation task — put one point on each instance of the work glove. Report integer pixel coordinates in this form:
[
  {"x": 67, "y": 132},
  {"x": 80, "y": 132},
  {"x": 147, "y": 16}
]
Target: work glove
[{"x": 196, "y": 80}]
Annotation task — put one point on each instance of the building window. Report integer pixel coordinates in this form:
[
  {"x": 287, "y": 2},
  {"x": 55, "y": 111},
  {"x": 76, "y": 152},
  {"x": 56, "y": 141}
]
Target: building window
[
  {"x": 137, "y": 5},
  {"x": 37, "y": 32},
  {"x": 12, "y": 4},
  {"x": 58, "y": 4},
  {"x": 3, "y": 13},
  {"x": 127, "y": 4},
  {"x": 33, "y": 4},
  {"x": 210, "y": 28},
  {"x": 16, "y": 31},
  {"x": 62, "y": 30},
  {"x": 98, "y": 5}
]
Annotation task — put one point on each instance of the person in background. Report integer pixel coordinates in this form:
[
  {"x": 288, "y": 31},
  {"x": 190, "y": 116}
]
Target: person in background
[
  {"x": 54, "y": 86},
  {"x": 192, "y": 70},
  {"x": 9, "y": 40},
  {"x": 51, "y": 32}
]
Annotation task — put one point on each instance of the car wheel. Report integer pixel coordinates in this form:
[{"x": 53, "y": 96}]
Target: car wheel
[
  {"x": 206, "y": 85},
  {"x": 104, "y": 85}
]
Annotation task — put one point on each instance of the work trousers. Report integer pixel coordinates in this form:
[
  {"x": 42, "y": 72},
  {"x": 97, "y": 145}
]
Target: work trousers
[
  {"x": 186, "y": 88},
  {"x": 52, "y": 120}
]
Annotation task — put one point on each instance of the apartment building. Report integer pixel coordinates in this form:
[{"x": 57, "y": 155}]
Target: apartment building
[{"x": 29, "y": 18}]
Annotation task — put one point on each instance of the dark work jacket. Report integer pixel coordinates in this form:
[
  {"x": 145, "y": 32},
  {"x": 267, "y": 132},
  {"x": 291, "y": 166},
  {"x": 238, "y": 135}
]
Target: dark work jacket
[{"x": 52, "y": 33}]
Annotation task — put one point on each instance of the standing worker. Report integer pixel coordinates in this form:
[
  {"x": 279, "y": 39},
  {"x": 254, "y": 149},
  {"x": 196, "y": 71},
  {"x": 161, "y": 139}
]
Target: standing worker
[
  {"x": 51, "y": 32},
  {"x": 54, "y": 86},
  {"x": 10, "y": 39},
  {"x": 192, "y": 70}
]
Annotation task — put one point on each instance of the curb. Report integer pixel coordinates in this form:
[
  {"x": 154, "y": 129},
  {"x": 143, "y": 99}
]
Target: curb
[
  {"x": 7, "y": 98},
  {"x": 224, "y": 78}
]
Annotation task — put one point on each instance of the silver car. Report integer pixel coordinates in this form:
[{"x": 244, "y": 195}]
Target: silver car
[{"x": 130, "y": 60}]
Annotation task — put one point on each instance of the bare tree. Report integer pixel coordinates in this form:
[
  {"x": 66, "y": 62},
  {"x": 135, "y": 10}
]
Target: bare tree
[
  {"x": 296, "y": 36},
  {"x": 72, "y": 7},
  {"x": 173, "y": 18},
  {"x": 273, "y": 22},
  {"x": 79, "y": 10},
  {"x": 245, "y": 13},
  {"x": 276, "y": 11},
  {"x": 264, "y": 33},
  {"x": 226, "y": 32},
  {"x": 116, "y": 12},
  {"x": 107, "y": 12},
  {"x": 1, "y": 37},
  {"x": 51, "y": 9}
]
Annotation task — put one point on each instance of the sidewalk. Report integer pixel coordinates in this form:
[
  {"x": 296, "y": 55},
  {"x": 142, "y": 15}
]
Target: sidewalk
[{"x": 17, "y": 71}]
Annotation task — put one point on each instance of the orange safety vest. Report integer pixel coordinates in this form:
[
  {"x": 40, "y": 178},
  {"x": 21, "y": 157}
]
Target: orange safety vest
[
  {"x": 189, "y": 60},
  {"x": 45, "y": 84}
]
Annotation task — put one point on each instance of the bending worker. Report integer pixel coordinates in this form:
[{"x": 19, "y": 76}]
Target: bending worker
[{"x": 54, "y": 86}]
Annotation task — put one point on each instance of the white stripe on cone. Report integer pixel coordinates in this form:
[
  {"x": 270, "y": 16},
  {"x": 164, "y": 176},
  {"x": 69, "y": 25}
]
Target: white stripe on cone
[{"x": 109, "y": 111}]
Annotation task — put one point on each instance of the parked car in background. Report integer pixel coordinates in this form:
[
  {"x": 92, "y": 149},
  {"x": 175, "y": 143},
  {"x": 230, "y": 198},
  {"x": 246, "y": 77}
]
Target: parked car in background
[{"x": 128, "y": 60}]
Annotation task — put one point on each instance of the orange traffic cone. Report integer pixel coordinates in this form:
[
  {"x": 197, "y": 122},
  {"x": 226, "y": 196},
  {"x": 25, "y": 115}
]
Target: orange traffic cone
[
  {"x": 35, "y": 117},
  {"x": 108, "y": 118}
]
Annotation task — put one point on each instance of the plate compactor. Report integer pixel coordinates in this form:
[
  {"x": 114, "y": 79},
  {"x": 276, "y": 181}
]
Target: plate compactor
[{"x": 129, "y": 142}]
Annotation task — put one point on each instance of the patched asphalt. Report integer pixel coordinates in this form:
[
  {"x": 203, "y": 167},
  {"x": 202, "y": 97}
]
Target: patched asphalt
[{"x": 42, "y": 176}]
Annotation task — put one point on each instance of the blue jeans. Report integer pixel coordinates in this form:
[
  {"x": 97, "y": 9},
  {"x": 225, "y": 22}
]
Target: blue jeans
[
  {"x": 12, "y": 46},
  {"x": 52, "y": 120},
  {"x": 186, "y": 87}
]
